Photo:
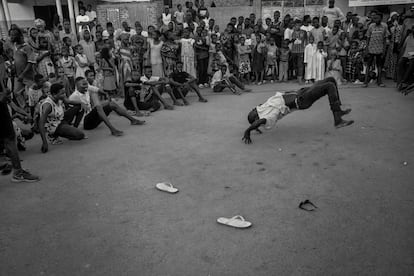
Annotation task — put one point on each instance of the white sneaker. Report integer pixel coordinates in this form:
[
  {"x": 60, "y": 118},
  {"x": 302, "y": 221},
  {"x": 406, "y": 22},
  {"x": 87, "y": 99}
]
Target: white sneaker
[
  {"x": 357, "y": 82},
  {"x": 200, "y": 86}
]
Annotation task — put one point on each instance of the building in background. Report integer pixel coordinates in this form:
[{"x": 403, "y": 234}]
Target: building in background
[{"x": 148, "y": 12}]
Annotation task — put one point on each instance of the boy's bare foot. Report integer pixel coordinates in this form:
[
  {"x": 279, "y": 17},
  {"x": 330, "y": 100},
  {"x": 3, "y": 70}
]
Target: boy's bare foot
[
  {"x": 117, "y": 133},
  {"x": 137, "y": 122},
  {"x": 202, "y": 100}
]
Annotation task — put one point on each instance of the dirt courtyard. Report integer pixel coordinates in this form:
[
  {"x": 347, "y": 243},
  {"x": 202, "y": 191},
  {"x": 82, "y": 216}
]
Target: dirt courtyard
[{"x": 96, "y": 210}]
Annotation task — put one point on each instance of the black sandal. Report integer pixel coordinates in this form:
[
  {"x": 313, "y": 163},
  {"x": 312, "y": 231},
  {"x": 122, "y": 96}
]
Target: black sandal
[{"x": 307, "y": 205}]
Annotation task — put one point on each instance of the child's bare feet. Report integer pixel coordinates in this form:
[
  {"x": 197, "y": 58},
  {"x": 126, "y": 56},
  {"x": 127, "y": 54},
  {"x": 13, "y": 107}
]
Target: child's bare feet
[
  {"x": 137, "y": 122},
  {"x": 117, "y": 133}
]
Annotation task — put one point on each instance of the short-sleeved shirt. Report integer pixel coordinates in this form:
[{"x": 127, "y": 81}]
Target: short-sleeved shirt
[
  {"x": 34, "y": 94},
  {"x": 144, "y": 79},
  {"x": 179, "y": 16},
  {"x": 273, "y": 110},
  {"x": 180, "y": 77},
  {"x": 23, "y": 55},
  {"x": 83, "y": 98},
  {"x": 377, "y": 35}
]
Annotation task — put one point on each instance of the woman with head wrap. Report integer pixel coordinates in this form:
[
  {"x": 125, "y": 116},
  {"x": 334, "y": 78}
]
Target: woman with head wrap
[
  {"x": 169, "y": 53},
  {"x": 125, "y": 58},
  {"x": 396, "y": 27},
  {"x": 33, "y": 39},
  {"x": 40, "y": 25}
]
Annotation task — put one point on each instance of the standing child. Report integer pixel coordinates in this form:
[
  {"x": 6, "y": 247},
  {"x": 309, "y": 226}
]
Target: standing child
[
  {"x": 82, "y": 63},
  {"x": 354, "y": 64},
  {"x": 271, "y": 61},
  {"x": 259, "y": 60},
  {"x": 35, "y": 92},
  {"x": 298, "y": 47},
  {"x": 335, "y": 68},
  {"x": 212, "y": 53},
  {"x": 68, "y": 63},
  {"x": 284, "y": 54},
  {"x": 187, "y": 53},
  {"x": 67, "y": 42},
  {"x": 310, "y": 51},
  {"x": 319, "y": 62},
  {"x": 107, "y": 65},
  {"x": 45, "y": 65},
  {"x": 244, "y": 59},
  {"x": 201, "y": 52},
  {"x": 179, "y": 14}
]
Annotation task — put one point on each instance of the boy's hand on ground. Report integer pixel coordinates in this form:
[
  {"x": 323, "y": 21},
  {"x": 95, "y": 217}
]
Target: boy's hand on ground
[{"x": 246, "y": 139}]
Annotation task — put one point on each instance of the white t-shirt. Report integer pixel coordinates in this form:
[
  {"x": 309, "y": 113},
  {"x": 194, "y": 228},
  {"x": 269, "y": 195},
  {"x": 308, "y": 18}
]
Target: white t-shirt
[
  {"x": 166, "y": 18},
  {"x": 144, "y": 79},
  {"x": 333, "y": 14},
  {"x": 179, "y": 16},
  {"x": 273, "y": 110},
  {"x": 82, "y": 19},
  {"x": 91, "y": 15},
  {"x": 83, "y": 98}
]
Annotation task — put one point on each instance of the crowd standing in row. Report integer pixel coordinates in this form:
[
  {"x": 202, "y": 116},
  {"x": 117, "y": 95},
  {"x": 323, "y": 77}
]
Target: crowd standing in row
[{"x": 60, "y": 79}]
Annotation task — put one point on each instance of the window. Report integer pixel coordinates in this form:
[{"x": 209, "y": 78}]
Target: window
[{"x": 168, "y": 3}]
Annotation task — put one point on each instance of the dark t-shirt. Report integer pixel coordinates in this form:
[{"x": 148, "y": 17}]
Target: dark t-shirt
[
  {"x": 180, "y": 77},
  {"x": 127, "y": 102}
]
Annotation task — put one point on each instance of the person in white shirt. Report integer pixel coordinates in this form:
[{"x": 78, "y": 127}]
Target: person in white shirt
[
  {"x": 179, "y": 14},
  {"x": 166, "y": 16},
  {"x": 281, "y": 104},
  {"x": 82, "y": 20},
  {"x": 97, "y": 111},
  {"x": 223, "y": 79},
  {"x": 90, "y": 13},
  {"x": 156, "y": 85},
  {"x": 333, "y": 13}
]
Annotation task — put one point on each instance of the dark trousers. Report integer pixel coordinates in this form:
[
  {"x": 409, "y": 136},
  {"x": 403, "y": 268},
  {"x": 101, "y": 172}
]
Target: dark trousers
[
  {"x": 202, "y": 66},
  {"x": 405, "y": 71},
  {"x": 74, "y": 115},
  {"x": 307, "y": 96},
  {"x": 297, "y": 59}
]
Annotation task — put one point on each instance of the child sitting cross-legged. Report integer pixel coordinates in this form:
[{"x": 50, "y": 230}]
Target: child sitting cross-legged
[
  {"x": 139, "y": 100},
  {"x": 222, "y": 79},
  {"x": 182, "y": 83}
]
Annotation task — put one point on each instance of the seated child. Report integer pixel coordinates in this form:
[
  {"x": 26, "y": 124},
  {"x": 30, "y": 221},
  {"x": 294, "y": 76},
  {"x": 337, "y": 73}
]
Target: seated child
[
  {"x": 222, "y": 79},
  {"x": 142, "y": 102},
  {"x": 182, "y": 83}
]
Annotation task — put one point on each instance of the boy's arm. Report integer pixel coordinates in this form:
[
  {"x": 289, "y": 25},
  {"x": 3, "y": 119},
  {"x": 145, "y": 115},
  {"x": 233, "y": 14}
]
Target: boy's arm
[
  {"x": 254, "y": 126},
  {"x": 42, "y": 120}
]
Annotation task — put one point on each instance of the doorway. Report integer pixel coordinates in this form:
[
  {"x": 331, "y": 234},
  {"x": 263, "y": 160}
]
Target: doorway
[{"x": 49, "y": 14}]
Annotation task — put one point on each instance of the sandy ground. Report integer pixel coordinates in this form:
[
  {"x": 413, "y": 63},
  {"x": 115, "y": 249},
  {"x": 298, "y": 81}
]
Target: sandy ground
[{"x": 96, "y": 211}]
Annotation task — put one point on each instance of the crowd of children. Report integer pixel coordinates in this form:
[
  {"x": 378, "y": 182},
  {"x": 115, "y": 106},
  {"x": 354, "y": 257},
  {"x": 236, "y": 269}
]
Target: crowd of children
[{"x": 186, "y": 53}]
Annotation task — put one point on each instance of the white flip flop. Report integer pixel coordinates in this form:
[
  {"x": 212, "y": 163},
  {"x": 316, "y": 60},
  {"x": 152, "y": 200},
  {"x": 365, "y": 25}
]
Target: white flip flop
[
  {"x": 166, "y": 187},
  {"x": 236, "y": 222}
]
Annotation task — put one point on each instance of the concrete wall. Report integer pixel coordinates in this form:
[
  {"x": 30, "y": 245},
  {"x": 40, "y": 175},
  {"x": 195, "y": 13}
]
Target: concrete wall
[{"x": 145, "y": 12}]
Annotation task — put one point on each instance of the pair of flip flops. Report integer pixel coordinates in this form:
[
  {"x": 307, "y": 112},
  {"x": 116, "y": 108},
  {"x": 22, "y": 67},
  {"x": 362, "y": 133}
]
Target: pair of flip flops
[
  {"x": 307, "y": 205},
  {"x": 236, "y": 221}
]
